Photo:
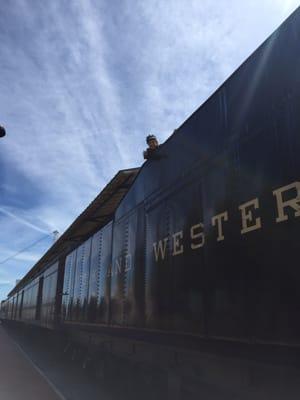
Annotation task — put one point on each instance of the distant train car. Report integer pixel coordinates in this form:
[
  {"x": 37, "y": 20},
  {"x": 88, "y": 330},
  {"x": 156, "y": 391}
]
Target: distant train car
[
  {"x": 199, "y": 252},
  {"x": 45, "y": 295}
]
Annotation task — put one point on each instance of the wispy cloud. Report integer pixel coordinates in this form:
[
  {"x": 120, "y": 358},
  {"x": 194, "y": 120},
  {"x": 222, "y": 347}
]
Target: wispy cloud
[
  {"x": 22, "y": 221},
  {"x": 27, "y": 256},
  {"x": 4, "y": 283}
]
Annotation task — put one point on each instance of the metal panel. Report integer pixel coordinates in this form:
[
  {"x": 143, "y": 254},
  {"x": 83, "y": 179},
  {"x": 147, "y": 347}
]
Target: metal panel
[
  {"x": 39, "y": 298},
  {"x": 68, "y": 288},
  {"x": 127, "y": 274},
  {"x": 118, "y": 274},
  {"x": 135, "y": 269},
  {"x": 47, "y": 313},
  {"x": 13, "y": 308},
  {"x": 21, "y": 305},
  {"x": 30, "y": 301},
  {"x": 157, "y": 291},
  {"x": 104, "y": 279},
  {"x": 175, "y": 270},
  {"x": 269, "y": 253},
  {"x": 76, "y": 304},
  {"x": 84, "y": 281},
  {"x": 16, "y": 306},
  {"x": 75, "y": 290},
  {"x": 94, "y": 276},
  {"x": 225, "y": 273}
]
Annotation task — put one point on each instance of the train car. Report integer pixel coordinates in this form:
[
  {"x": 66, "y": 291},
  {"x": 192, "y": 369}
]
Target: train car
[
  {"x": 193, "y": 274},
  {"x": 205, "y": 240},
  {"x": 39, "y": 298}
]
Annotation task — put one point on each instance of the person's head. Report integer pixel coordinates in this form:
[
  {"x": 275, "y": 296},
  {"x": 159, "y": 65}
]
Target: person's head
[
  {"x": 2, "y": 131},
  {"x": 152, "y": 142}
]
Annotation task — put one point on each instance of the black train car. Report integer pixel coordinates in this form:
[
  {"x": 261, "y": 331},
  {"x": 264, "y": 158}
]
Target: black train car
[
  {"x": 205, "y": 240},
  {"x": 36, "y": 300},
  {"x": 61, "y": 284},
  {"x": 200, "y": 256}
]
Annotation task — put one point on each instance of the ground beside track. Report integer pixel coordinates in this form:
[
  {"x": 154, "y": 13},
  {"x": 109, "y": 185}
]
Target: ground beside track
[
  {"x": 19, "y": 378},
  {"x": 33, "y": 369}
]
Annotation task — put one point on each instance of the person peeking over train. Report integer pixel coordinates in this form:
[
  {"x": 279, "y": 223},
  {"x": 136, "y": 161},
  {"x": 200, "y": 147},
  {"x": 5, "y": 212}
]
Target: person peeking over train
[{"x": 153, "y": 145}]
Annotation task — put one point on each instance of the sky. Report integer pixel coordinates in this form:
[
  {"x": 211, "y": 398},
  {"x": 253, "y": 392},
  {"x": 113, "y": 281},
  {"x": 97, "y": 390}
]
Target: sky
[{"x": 83, "y": 82}]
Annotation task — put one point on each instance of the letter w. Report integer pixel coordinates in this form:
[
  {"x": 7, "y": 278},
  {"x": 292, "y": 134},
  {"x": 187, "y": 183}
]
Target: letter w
[{"x": 160, "y": 249}]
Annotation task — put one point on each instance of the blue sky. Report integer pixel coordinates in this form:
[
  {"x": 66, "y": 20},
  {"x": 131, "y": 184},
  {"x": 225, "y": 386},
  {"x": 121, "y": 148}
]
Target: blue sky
[{"x": 83, "y": 82}]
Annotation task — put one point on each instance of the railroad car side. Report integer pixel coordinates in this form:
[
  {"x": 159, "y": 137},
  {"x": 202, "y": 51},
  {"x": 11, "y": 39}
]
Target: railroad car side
[
  {"x": 195, "y": 266},
  {"x": 128, "y": 270},
  {"x": 86, "y": 280},
  {"x": 244, "y": 143},
  {"x": 205, "y": 239},
  {"x": 38, "y": 301},
  {"x": 47, "y": 308},
  {"x": 99, "y": 276}
]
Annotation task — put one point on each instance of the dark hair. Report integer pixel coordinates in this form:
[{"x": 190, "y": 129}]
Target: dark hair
[
  {"x": 150, "y": 137},
  {"x": 2, "y": 131}
]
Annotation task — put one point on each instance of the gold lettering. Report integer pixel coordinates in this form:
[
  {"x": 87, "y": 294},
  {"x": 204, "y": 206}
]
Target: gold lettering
[
  {"x": 109, "y": 271},
  {"x": 195, "y": 234},
  {"x": 127, "y": 262},
  {"x": 247, "y": 217},
  {"x": 160, "y": 249},
  {"x": 177, "y": 247},
  {"x": 293, "y": 203},
  {"x": 218, "y": 218}
]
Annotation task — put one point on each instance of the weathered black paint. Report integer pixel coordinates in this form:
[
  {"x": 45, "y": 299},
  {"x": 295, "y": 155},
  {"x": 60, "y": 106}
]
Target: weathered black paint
[{"x": 99, "y": 279}]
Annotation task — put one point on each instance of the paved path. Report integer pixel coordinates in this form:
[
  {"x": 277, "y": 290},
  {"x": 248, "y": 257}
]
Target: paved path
[{"x": 19, "y": 378}]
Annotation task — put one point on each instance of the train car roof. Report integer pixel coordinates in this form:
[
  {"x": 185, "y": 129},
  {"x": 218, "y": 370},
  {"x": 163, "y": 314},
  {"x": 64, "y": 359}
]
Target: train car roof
[{"x": 97, "y": 214}]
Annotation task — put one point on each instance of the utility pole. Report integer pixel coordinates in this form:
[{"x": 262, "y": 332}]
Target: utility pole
[{"x": 55, "y": 236}]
